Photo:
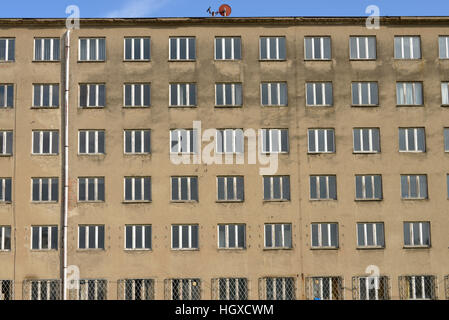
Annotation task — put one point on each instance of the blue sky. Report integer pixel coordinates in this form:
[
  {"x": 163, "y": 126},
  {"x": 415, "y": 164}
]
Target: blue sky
[{"x": 240, "y": 8}]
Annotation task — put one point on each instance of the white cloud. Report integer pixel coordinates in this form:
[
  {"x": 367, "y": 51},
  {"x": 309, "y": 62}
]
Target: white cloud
[{"x": 137, "y": 9}]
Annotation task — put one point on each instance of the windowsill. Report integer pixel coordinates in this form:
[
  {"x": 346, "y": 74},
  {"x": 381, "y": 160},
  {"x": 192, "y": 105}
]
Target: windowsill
[
  {"x": 5, "y": 203},
  {"x": 230, "y": 106},
  {"x": 135, "y": 107},
  {"x": 409, "y": 105},
  {"x": 5, "y": 251},
  {"x": 182, "y": 250},
  {"x": 366, "y": 152},
  {"x": 183, "y": 154},
  {"x": 91, "y": 61},
  {"x": 92, "y": 154},
  {"x": 136, "y": 202},
  {"x": 181, "y": 60},
  {"x": 229, "y": 153},
  {"x": 138, "y": 154},
  {"x": 268, "y": 153},
  {"x": 90, "y": 250},
  {"x": 44, "y": 202},
  {"x": 407, "y": 59},
  {"x": 403, "y": 151},
  {"x": 319, "y": 106},
  {"x": 93, "y": 107},
  {"x": 324, "y": 248},
  {"x": 7, "y": 108},
  {"x": 178, "y": 107},
  {"x": 137, "y": 250},
  {"x": 445, "y": 105},
  {"x": 364, "y": 105},
  {"x": 276, "y": 200},
  {"x": 184, "y": 201},
  {"x": 9, "y": 61},
  {"x": 5, "y": 155},
  {"x": 136, "y": 60},
  {"x": 273, "y": 105},
  {"x": 44, "y": 154},
  {"x": 413, "y": 199},
  {"x": 317, "y": 200},
  {"x": 370, "y": 248},
  {"x": 90, "y": 201},
  {"x": 360, "y": 59},
  {"x": 35, "y": 107},
  {"x": 44, "y": 250},
  {"x": 229, "y": 201},
  {"x": 416, "y": 247},
  {"x": 272, "y": 60},
  {"x": 367, "y": 200},
  {"x": 317, "y": 153},
  {"x": 276, "y": 249},
  {"x": 231, "y": 249},
  {"x": 228, "y": 60},
  {"x": 320, "y": 60},
  {"x": 46, "y": 61}
]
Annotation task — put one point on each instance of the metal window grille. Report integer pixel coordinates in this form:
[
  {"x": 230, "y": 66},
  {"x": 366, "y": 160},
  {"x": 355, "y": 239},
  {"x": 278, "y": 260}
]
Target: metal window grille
[
  {"x": 92, "y": 289},
  {"x": 371, "y": 288},
  {"x": 324, "y": 288},
  {"x": 42, "y": 289},
  {"x": 277, "y": 288},
  {"x": 6, "y": 290},
  {"x": 230, "y": 289},
  {"x": 136, "y": 289},
  {"x": 418, "y": 287},
  {"x": 182, "y": 289}
]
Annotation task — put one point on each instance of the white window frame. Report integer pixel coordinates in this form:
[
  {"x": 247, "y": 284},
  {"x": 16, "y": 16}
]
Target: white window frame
[
  {"x": 178, "y": 48},
  {"x": 412, "y": 283},
  {"x": 326, "y": 146},
  {"x": 4, "y": 137},
  {"x": 3, "y": 190},
  {"x": 415, "y": 139},
  {"x": 223, "y": 287},
  {"x": 362, "y": 132},
  {"x": 189, "y": 188},
  {"x": 236, "y": 234},
  {"x": 445, "y": 92},
  {"x": 134, "y": 181},
  {"x": 323, "y": 93},
  {"x": 373, "y": 282},
  {"x": 317, "y": 182},
  {"x": 133, "y": 141},
  {"x": 50, "y": 194},
  {"x": 322, "y": 245},
  {"x": 234, "y": 187},
  {"x": 88, "y": 93},
  {"x": 41, "y": 142},
  {"x": 268, "y": 40},
  {"x": 178, "y": 95},
  {"x": 49, "y": 240},
  {"x": 190, "y": 236},
  {"x": 412, "y": 231},
  {"x": 133, "y": 97},
  {"x": 414, "y": 87},
  {"x": 446, "y": 40},
  {"x": 40, "y": 103},
  {"x": 360, "y": 95},
  {"x": 233, "y": 94},
  {"x": 402, "y": 53},
  {"x": 278, "y": 89},
  {"x": 190, "y": 148},
  {"x": 321, "y": 286},
  {"x": 3, "y": 238},
  {"x": 97, "y": 51},
  {"x": 371, "y": 178},
  {"x": 4, "y": 103},
  {"x": 7, "y": 44},
  {"x": 86, "y": 231},
  {"x": 321, "y": 48},
  {"x": 281, "y": 185},
  {"x": 223, "y": 49},
  {"x": 142, "y": 50},
  {"x": 96, "y": 186},
  {"x": 191, "y": 292},
  {"x": 52, "y": 44},
  {"x": 270, "y": 135},
  {"x": 418, "y": 186},
  {"x": 50, "y": 285},
  {"x": 133, "y": 236},
  {"x": 88, "y": 132},
  {"x": 272, "y": 226},
  {"x": 365, "y": 234},
  {"x": 359, "y": 42},
  {"x": 234, "y": 138}
]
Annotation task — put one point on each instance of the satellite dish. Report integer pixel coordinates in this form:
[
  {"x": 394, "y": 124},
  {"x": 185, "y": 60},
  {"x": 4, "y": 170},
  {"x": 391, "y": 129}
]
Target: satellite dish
[{"x": 225, "y": 10}]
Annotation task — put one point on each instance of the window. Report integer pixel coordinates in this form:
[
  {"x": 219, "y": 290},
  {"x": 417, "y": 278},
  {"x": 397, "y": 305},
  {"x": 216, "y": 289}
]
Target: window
[
  {"x": 6, "y": 143},
  {"x": 138, "y": 189},
  {"x": 46, "y": 95},
  {"x": 326, "y": 288},
  {"x": 229, "y": 141},
  {"x": 409, "y": 93},
  {"x": 92, "y": 289},
  {"x": 231, "y": 236},
  {"x": 92, "y": 49},
  {"x": 446, "y": 139},
  {"x": 91, "y": 142},
  {"x": 183, "y": 141},
  {"x": 137, "y": 49},
  {"x": 44, "y": 238},
  {"x": 365, "y": 94},
  {"x": 324, "y": 235},
  {"x": 366, "y": 140},
  {"x": 5, "y": 189},
  {"x": 6, "y": 95},
  {"x": 407, "y": 47},
  {"x": 46, "y": 49},
  {"x": 138, "y": 237},
  {"x": 370, "y": 235},
  {"x": 7, "y": 49},
  {"x": 6, "y": 290},
  {"x": 444, "y": 93},
  {"x": 274, "y": 94},
  {"x": 183, "y": 289},
  {"x": 137, "y": 141},
  {"x": 137, "y": 289},
  {"x": 183, "y": 94},
  {"x": 137, "y": 95},
  {"x": 228, "y": 48},
  {"x": 5, "y": 239},
  {"x": 319, "y": 94},
  {"x": 46, "y": 142},
  {"x": 323, "y": 188},
  {"x": 278, "y": 236},
  {"x": 444, "y": 47},
  {"x": 45, "y": 189},
  {"x": 372, "y": 288},
  {"x": 228, "y": 94},
  {"x": 184, "y": 188},
  {"x": 272, "y": 48},
  {"x": 368, "y": 187},
  {"x": 182, "y": 48},
  {"x": 92, "y": 95},
  {"x": 414, "y": 186},
  {"x": 412, "y": 140},
  {"x": 90, "y": 189},
  {"x": 276, "y": 188},
  {"x": 317, "y": 48},
  {"x": 321, "y": 140},
  {"x": 417, "y": 287},
  {"x": 230, "y": 288},
  {"x": 278, "y": 288},
  {"x": 362, "y": 48},
  {"x": 90, "y": 237},
  {"x": 230, "y": 189},
  {"x": 184, "y": 237},
  {"x": 417, "y": 234},
  {"x": 274, "y": 140},
  {"x": 44, "y": 289}
]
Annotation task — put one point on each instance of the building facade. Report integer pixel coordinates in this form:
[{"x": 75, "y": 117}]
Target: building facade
[{"x": 356, "y": 118}]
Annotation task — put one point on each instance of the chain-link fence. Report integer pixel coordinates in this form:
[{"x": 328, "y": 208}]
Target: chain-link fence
[
  {"x": 230, "y": 289},
  {"x": 371, "y": 288},
  {"x": 135, "y": 289},
  {"x": 182, "y": 289},
  {"x": 6, "y": 290},
  {"x": 49, "y": 289},
  {"x": 324, "y": 288},
  {"x": 279, "y": 288},
  {"x": 418, "y": 287}
]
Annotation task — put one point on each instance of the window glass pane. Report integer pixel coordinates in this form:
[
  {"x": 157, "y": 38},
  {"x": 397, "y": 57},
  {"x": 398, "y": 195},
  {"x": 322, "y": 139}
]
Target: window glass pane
[
  {"x": 266, "y": 188},
  {"x": 376, "y": 140},
  {"x": 35, "y": 237},
  {"x": 82, "y": 237},
  {"x": 100, "y": 237},
  {"x": 334, "y": 235},
  {"x": 282, "y": 48},
  {"x": 100, "y": 189},
  {"x": 372, "y": 47},
  {"x": 194, "y": 188},
  {"x": 268, "y": 236},
  {"x": 327, "y": 47},
  {"x": 237, "y": 48},
  {"x": 370, "y": 234},
  {"x": 265, "y": 94},
  {"x": 362, "y": 48},
  {"x": 374, "y": 93},
  {"x": 332, "y": 187},
  {"x": 231, "y": 231},
  {"x": 423, "y": 186},
  {"x": 287, "y": 236},
  {"x": 185, "y": 236},
  {"x": 328, "y": 87},
  {"x": 358, "y": 187},
  {"x": 45, "y": 195},
  {"x": 241, "y": 236},
  {"x": 273, "y": 53},
  {"x": 360, "y": 234},
  {"x": 313, "y": 186},
  {"x": 355, "y": 93},
  {"x": 276, "y": 187},
  {"x": 380, "y": 234},
  {"x": 218, "y": 48},
  {"x": 82, "y": 189},
  {"x": 315, "y": 242},
  {"x": 308, "y": 48},
  {"x": 402, "y": 145},
  {"x": 221, "y": 236},
  {"x": 192, "y": 48},
  {"x": 173, "y": 48},
  {"x": 263, "y": 48},
  {"x": 175, "y": 237},
  {"x": 416, "y": 48},
  {"x": 286, "y": 188},
  {"x": 404, "y": 187}
]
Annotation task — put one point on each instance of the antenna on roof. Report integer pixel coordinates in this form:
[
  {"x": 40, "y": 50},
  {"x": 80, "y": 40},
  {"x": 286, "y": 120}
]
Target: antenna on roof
[{"x": 224, "y": 11}]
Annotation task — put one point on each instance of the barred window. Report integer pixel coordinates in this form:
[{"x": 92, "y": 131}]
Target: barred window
[
  {"x": 45, "y": 189},
  {"x": 326, "y": 288},
  {"x": 183, "y": 141},
  {"x": 6, "y": 143},
  {"x": 183, "y": 94},
  {"x": 370, "y": 235},
  {"x": 278, "y": 236},
  {"x": 414, "y": 186},
  {"x": 5, "y": 189},
  {"x": 407, "y": 47},
  {"x": 184, "y": 188},
  {"x": 228, "y": 94},
  {"x": 185, "y": 237},
  {"x": 274, "y": 94},
  {"x": 229, "y": 141},
  {"x": 91, "y": 189},
  {"x": 92, "y": 289},
  {"x": 137, "y": 289},
  {"x": 417, "y": 234},
  {"x": 324, "y": 235},
  {"x": 321, "y": 140},
  {"x": 228, "y": 48},
  {"x": 44, "y": 237},
  {"x": 46, "y": 49},
  {"x": 6, "y": 95},
  {"x": 373, "y": 288},
  {"x": 92, "y": 95},
  {"x": 137, "y": 189},
  {"x": 137, "y": 95},
  {"x": 7, "y": 49},
  {"x": 274, "y": 140},
  {"x": 137, "y": 141},
  {"x": 91, "y": 142},
  {"x": 138, "y": 237},
  {"x": 231, "y": 236},
  {"x": 366, "y": 140},
  {"x": 137, "y": 49},
  {"x": 276, "y": 188},
  {"x": 272, "y": 48},
  {"x": 91, "y": 237},
  {"x": 409, "y": 93},
  {"x": 362, "y": 48},
  {"x": 319, "y": 94},
  {"x": 5, "y": 240},
  {"x": 230, "y": 189},
  {"x": 183, "y": 289},
  {"x": 317, "y": 48},
  {"x": 44, "y": 289},
  {"x": 446, "y": 139},
  {"x": 92, "y": 49},
  {"x": 45, "y": 95},
  {"x": 444, "y": 93},
  {"x": 46, "y": 142},
  {"x": 365, "y": 94},
  {"x": 412, "y": 140},
  {"x": 323, "y": 187},
  {"x": 278, "y": 288},
  {"x": 182, "y": 48},
  {"x": 6, "y": 290},
  {"x": 418, "y": 287},
  {"x": 231, "y": 288},
  {"x": 443, "y": 42},
  {"x": 368, "y": 187}
]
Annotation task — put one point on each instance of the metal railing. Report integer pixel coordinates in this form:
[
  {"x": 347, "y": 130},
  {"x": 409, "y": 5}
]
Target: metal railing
[
  {"x": 135, "y": 289},
  {"x": 229, "y": 289},
  {"x": 48, "y": 289},
  {"x": 6, "y": 290},
  {"x": 324, "y": 288},
  {"x": 277, "y": 288},
  {"x": 182, "y": 289},
  {"x": 418, "y": 287},
  {"x": 371, "y": 288}
]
